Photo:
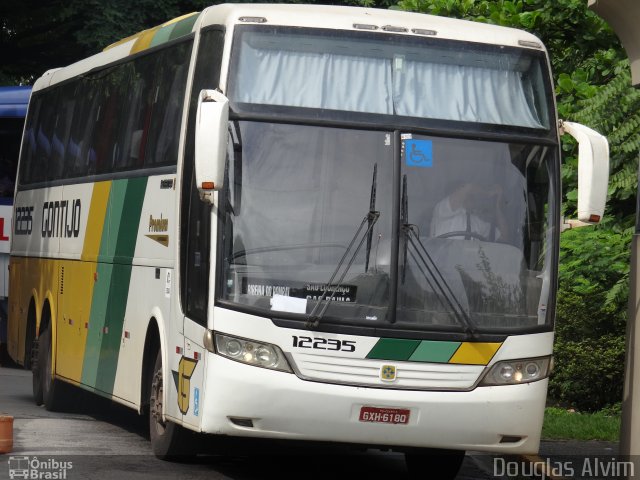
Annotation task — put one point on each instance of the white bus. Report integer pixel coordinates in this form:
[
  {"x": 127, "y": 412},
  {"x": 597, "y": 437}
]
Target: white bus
[{"x": 300, "y": 222}]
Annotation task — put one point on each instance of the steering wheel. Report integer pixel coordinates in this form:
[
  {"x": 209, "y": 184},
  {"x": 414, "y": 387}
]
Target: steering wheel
[{"x": 463, "y": 233}]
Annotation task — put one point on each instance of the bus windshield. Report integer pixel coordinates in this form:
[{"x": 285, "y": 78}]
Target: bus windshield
[
  {"x": 321, "y": 221},
  {"x": 396, "y": 75},
  {"x": 473, "y": 244}
]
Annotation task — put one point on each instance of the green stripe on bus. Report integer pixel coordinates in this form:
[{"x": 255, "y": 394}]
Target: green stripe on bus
[
  {"x": 393, "y": 349},
  {"x": 162, "y": 35},
  {"x": 128, "y": 220},
  {"x": 434, "y": 351},
  {"x": 111, "y": 291},
  {"x": 110, "y": 347},
  {"x": 183, "y": 27},
  {"x": 97, "y": 319},
  {"x": 112, "y": 221}
]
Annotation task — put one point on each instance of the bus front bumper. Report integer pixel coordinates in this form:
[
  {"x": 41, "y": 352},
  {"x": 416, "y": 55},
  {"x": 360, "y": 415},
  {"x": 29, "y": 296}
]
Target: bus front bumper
[{"x": 243, "y": 400}]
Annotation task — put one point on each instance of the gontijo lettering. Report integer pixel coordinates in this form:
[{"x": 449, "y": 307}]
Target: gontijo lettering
[{"x": 61, "y": 218}]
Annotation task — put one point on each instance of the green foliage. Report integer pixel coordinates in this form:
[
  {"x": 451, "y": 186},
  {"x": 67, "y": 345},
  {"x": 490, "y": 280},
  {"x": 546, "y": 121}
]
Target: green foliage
[
  {"x": 571, "y": 425},
  {"x": 590, "y": 373},
  {"x": 590, "y": 318}
]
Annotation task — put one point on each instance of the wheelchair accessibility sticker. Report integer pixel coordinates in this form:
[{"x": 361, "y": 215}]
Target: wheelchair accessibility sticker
[{"x": 418, "y": 153}]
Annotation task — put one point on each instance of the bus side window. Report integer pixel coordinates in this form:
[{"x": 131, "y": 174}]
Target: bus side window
[
  {"x": 168, "y": 101},
  {"x": 29, "y": 145},
  {"x": 62, "y": 131},
  {"x": 44, "y": 137}
]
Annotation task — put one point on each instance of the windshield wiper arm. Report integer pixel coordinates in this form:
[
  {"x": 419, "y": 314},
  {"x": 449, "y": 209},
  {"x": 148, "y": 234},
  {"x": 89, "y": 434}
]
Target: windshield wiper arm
[
  {"x": 438, "y": 279},
  {"x": 370, "y": 219},
  {"x": 314, "y": 317},
  {"x": 372, "y": 208},
  {"x": 428, "y": 265}
]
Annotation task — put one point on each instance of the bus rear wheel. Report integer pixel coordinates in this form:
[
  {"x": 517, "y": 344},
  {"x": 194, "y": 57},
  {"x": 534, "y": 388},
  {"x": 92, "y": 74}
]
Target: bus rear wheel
[
  {"x": 168, "y": 441},
  {"x": 434, "y": 463},
  {"x": 53, "y": 391}
]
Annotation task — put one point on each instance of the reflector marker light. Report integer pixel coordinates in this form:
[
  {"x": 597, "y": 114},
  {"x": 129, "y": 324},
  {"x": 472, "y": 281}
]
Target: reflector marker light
[
  {"x": 527, "y": 43},
  {"x": 253, "y": 19},
  {"x": 594, "y": 218},
  {"x": 365, "y": 26},
  {"x": 391, "y": 28},
  {"x": 423, "y": 31},
  {"x": 208, "y": 186}
]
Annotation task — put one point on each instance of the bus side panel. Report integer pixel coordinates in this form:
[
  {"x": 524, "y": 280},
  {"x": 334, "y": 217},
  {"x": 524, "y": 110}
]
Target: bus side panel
[
  {"x": 150, "y": 291},
  {"x": 38, "y": 222},
  {"x": 120, "y": 220},
  {"x": 76, "y": 292},
  {"x": 85, "y": 206},
  {"x": 146, "y": 299}
]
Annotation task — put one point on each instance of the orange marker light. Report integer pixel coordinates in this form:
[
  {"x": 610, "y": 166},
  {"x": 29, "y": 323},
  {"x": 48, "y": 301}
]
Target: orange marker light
[{"x": 208, "y": 185}]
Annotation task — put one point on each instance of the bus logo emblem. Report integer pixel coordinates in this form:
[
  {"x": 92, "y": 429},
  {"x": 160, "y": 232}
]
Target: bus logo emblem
[{"x": 388, "y": 373}]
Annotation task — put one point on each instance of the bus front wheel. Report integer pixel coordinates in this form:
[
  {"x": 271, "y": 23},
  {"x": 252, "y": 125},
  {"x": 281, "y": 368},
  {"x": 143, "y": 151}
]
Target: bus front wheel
[
  {"x": 167, "y": 439},
  {"x": 434, "y": 463}
]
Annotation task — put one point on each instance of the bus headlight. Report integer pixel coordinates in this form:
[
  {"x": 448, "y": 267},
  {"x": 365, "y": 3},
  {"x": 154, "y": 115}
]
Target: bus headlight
[
  {"x": 251, "y": 352},
  {"x": 514, "y": 372}
]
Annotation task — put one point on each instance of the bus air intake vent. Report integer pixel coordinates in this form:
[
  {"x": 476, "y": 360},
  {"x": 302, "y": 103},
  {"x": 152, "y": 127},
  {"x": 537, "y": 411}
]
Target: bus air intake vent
[
  {"x": 510, "y": 439},
  {"x": 242, "y": 422},
  {"x": 366, "y": 372},
  {"x": 61, "y": 280}
]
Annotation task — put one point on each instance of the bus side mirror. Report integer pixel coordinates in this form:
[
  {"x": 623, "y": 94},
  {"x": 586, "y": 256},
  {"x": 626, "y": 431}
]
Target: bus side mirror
[
  {"x": 593, "y": 171},
  {"x": 211, "y": 133}
]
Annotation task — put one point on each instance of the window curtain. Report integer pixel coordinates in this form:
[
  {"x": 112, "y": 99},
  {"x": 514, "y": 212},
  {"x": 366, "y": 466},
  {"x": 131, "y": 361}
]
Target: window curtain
[{"x": 385, "y": 86}]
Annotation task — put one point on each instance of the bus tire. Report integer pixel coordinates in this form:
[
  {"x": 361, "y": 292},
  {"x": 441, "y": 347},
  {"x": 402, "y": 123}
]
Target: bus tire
[
  {"x": 36, "y": 372},
  {"x": 30, "y": 337},
  {"x": 53, "y": 391},
  {"x": 168, "y": 440},
  {"x": 434, "y": 463}
]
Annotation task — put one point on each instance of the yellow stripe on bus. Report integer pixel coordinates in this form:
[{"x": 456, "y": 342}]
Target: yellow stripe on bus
[
  {"x": 73, "y": 317},
  {"x": 144, "y": 40},
  {"x": 96, "y": 221},
  {"x": 474, "y": 353}
]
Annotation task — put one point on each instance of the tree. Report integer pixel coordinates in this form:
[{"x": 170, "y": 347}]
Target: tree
[{"x": 36, "y": 35}]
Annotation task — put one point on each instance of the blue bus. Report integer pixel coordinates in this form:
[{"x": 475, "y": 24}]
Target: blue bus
[{"x": 13, "y": 109}]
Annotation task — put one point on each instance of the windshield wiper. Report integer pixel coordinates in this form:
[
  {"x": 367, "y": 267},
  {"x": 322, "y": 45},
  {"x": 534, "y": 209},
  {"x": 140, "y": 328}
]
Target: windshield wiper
[
  {"x": 313, "y": 320},
  {"x": 314, "y": 317},
  {"x": 372, "y": 208},
  {"x": 439, "y": 282},
  {"x": 429, "y": 269}
]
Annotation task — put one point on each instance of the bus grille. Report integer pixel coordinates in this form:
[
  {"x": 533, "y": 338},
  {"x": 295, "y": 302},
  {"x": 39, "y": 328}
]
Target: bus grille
[{"x": 409, "y": 375}]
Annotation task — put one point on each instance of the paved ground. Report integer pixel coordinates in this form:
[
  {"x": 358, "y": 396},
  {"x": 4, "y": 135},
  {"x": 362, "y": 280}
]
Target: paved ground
[{"x": 103, "y": 440}]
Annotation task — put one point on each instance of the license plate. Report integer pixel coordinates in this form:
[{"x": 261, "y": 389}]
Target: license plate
[{"x": 384, "y": 415}]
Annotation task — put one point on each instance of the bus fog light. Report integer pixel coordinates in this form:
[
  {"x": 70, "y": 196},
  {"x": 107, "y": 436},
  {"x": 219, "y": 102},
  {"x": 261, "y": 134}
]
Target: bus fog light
[
  {"x": 514, "y": 372},
  {"x": 251, "y": 352}
]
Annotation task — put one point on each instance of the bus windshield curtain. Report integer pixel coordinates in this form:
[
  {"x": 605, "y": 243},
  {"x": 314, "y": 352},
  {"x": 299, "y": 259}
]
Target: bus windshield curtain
[{"x": 386, "y": 86}]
